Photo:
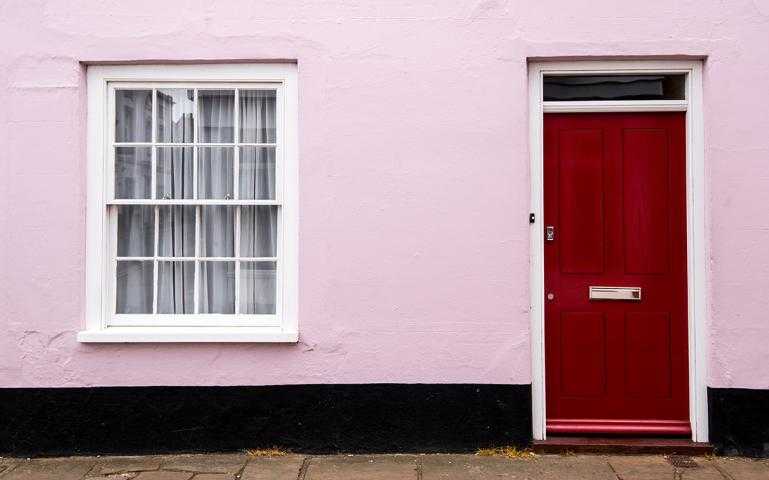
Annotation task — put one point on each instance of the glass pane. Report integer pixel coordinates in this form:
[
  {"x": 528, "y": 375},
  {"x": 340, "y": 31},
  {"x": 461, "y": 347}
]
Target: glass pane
[
  {"x": 257, "y": 287},
  {"x": 217, "y": 118},
  {"x": 217, "y": 227},
  {"x": 135, "y": 231},
  {"x": 257, "y": 116},
  {"x": 215, "y": 172},
  {"x": 133, "y": 172},
  {"x": 175, "y": 123},
  {"x": 176, "y": 287},
  {"x": 258, "y": 231},
  {"x": 176, "y": 237},
  {"x": 134, "y": 287},
  {"x": 257, "y": 173},
  {"x": 174, "y": 172},
  {"x": 217, "y": 287},
  {"x": 133, "y": 115},
  {"x": 615, "y": 87}
]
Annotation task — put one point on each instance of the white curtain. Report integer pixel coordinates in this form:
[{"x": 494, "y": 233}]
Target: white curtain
[
  {"x": 176, "y": 280},
  {"x": 257, "y": 181},
  {"x": 176, "y": 224}
]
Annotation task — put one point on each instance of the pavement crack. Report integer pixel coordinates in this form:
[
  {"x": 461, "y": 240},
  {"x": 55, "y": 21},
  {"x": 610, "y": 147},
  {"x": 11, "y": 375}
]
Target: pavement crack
[
  {"x": 419, "y": 468},
  {"x": 239, "y": 474},
  {"x": 303, "y": 469},
  {"x": 619, "y": 477},
  {"x": 723, "y": 472}
]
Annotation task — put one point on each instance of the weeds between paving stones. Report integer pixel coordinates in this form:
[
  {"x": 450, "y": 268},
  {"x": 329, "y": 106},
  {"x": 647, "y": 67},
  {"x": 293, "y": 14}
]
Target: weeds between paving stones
[
  {"x": 267, "y": 452},
  {"x": 509, "y": 452}
]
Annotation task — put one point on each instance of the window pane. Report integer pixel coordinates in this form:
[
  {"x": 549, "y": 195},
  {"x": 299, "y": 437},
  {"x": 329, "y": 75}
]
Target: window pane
[
  {"x": 258, "y": 231},
  {"x": 133, "y": 115},
  {"x": 257, "y": 287},
  {"x": 216, "y": 116},
  {"x": 217, "y": 227},
  {"x": 176, "y": 287},
  {"x": 135, "y": 231},
  {"x": 257, "y": 116},
  {"x": 215, "y": 172},
  {"x": 134, "y": 287},
  {"x": 174, "y": 172},
  {"x": 133, "y": 172},
  {"x": 217, "y": 287},
  {"x": 615, "y": 87},
  {"x": 176, "y": 237},
  {"x": 257, "y": 173},
  {"x": 175, "y": 123}
]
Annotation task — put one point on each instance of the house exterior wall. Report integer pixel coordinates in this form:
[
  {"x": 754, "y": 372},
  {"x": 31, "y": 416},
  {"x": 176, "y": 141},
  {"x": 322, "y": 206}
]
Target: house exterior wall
[{"x": 414, "y": 180}]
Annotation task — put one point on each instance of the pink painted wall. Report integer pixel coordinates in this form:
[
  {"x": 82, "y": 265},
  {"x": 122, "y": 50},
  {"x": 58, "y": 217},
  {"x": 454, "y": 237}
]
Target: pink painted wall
[{"x": 414, "y": 179}]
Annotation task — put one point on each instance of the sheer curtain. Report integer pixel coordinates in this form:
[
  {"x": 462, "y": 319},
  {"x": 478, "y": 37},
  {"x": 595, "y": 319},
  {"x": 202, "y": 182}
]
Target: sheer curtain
[
  {"x": 176, "y": 224},
  {"x": 133, "y": 179},
  {"x": 258, "y": 224},
  {"x": 174, "y": 177},
  {"x": 215, "y": 180}
]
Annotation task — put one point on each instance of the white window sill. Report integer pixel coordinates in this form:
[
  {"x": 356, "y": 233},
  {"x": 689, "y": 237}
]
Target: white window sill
[{"x": 187, "y": 335}]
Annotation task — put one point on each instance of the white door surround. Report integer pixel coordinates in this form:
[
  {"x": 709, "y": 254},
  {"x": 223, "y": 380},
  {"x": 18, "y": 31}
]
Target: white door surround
[{"x": 695, "y": 211}]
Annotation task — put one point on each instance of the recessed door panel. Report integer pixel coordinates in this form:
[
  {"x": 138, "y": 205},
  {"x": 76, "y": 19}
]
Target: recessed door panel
[
  {"x": 583, "y": 354},
  {"x": 645, "y": 181},
  {"x": 616, "y": 358},
  {"x": 647, "y": 355},
  {"x": 580, "y": 156}
]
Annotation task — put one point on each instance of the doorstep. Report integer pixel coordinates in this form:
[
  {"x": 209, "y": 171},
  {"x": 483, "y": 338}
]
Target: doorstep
[{"x": 619, "y": 445}]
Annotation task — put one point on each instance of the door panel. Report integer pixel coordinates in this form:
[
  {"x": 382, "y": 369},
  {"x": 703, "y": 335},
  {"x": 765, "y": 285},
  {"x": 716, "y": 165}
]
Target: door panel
[
  {"x": 647, "y": 355},
  {"x": 615, "y": 195},
  {"x": 583, "y": 342},
  {"x": 645, "y": 200},
  {"x": 581, "y": 203}
]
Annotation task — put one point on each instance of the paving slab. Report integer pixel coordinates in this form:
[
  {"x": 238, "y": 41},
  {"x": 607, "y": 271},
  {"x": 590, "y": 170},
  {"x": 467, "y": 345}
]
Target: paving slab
[
  {"x": 273, "y": 468},
  {"x": 112, "y": 476},
  {"x": 545, "y": 467},
  {"x": 573, "y": 467},
  {"x": 358, "y": 467},
  {"x": 114, "y": 465},
  {"x": 163, "y": 475},
  {"x": 641, "y": 467},
  {"x": 705, "y": 470},
  {"x": 473, "y": 467},
  {"x": 205, "y": 463},
  {"x": 214, "y": 476},
  {"x": 743, "y": 468},
  {"x": 50, "y": 469}
]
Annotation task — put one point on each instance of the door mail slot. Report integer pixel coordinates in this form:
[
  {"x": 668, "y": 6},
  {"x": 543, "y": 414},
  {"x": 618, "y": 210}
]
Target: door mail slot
[{"x": 615, "y": 293}]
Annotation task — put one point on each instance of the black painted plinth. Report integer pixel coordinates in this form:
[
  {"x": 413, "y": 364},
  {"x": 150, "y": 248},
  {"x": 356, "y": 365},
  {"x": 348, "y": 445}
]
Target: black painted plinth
[
  {"x": 302, "y": 418},
  {"x": 739, "y": 421}
]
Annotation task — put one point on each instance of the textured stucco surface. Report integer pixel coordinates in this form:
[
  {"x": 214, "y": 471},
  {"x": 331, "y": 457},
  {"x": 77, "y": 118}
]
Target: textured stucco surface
[{"x": 414, "y": 179}]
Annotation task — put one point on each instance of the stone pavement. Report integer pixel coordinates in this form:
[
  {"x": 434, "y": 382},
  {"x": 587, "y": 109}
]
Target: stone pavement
[{"x": 379, "y": 467}]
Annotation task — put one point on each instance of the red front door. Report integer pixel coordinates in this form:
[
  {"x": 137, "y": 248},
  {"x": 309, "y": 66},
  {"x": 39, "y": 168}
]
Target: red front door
[{"x": 615, "y": 197}]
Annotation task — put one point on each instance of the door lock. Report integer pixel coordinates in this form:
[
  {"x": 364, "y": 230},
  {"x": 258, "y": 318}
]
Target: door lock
[{"x": 549, "y": 233}]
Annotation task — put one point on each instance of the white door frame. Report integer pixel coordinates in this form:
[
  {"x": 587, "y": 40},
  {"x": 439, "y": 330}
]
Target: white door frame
[{"x": 695, "y": 213}]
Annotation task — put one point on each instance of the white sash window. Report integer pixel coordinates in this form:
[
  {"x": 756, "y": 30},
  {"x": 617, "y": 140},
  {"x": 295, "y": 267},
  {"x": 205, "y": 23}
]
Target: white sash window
[{"x": 193, "y": 172}]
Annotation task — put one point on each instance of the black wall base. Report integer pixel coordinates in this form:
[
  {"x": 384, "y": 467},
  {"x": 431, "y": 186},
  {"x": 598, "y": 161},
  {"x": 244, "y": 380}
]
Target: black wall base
[
  {"x": 739, "y": 421},
  {"x": 302, "y": 418}
]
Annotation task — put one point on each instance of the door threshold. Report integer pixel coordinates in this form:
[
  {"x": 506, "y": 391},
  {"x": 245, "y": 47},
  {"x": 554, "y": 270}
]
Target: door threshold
[
  {"x": 622, "y": 445},
  {"x": 619, "y": 427}
]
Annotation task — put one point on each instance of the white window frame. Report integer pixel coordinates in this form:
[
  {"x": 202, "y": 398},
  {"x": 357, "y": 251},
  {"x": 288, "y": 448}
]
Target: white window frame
[
  {"x": 100, "y": 318},
  {"x": 696, "y": 247}
]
